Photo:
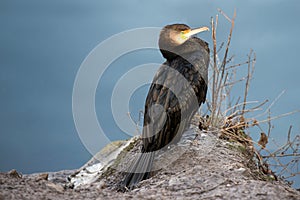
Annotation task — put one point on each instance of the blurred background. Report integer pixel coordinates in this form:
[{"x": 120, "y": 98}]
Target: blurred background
[{"x": 43, "y": 43}]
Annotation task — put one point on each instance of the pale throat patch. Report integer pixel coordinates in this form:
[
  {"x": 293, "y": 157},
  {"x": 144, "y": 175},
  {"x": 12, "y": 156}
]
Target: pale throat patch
[{"x": 178, "y": 38}]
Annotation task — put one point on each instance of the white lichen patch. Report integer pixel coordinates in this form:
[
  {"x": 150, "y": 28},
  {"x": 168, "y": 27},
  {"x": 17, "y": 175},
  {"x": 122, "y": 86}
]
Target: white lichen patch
[{"x": 95, "y": 167}]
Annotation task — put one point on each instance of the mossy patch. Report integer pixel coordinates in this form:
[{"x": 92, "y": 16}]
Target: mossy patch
[{"x": 112, "y": 169}]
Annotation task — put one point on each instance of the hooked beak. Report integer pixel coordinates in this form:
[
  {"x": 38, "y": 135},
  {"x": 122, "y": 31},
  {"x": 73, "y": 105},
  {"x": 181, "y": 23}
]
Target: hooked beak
[{"x": 195, "y": 31}]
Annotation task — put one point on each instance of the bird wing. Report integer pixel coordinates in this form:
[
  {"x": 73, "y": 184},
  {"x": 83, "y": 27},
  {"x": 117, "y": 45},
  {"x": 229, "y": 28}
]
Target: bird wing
[{"x": 176, "y": 93}]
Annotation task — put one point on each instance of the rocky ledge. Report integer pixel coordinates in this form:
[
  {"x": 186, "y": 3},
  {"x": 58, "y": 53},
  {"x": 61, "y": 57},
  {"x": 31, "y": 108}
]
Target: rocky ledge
[{"x": 201, "y": 166}]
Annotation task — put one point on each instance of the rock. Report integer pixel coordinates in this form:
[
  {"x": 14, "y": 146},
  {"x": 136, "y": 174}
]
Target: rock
[
  {"x": 93, "y": 169},
  {"x": 43, "y": 176},
  {"x": 208, "y": 168},
  {"x": 56, "y": 187},
  {"x": 13, "y": 173}
]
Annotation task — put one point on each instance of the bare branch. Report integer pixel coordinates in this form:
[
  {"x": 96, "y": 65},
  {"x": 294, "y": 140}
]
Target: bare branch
[
  {"x": 247, "y": 81},
  {"x": 221, "y": 11},
  {"x": 232, "y": 120}
]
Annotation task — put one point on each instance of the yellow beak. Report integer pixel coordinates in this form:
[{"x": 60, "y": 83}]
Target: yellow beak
[{"x": 195, "y": 31}]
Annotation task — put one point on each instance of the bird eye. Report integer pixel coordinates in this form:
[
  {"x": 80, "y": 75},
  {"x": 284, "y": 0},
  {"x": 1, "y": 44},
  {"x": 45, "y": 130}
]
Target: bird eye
[{"x": 184, "y": 31}]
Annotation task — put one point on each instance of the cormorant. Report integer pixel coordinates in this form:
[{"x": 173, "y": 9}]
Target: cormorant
[{"x": 176, "y": 93}]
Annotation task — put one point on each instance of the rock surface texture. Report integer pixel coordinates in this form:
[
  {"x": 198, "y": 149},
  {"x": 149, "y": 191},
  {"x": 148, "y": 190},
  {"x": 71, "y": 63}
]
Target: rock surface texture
[{"x": 202, "y": 166}]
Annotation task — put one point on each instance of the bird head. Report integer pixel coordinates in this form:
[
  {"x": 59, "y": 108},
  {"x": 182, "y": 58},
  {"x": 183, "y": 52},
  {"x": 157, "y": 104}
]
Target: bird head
[
  {"x": 177, "y": 34},
  {"x": 173, "y": 36}
]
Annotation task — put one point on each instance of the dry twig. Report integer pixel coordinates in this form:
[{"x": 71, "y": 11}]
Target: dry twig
[{"x": 231, "y": 119}]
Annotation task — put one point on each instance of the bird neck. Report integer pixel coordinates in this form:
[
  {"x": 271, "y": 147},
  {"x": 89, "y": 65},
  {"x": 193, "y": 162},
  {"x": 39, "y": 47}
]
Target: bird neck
[{"x": 171, "y": 51}]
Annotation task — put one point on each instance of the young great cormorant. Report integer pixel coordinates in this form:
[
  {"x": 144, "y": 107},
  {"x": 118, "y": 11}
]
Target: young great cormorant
[{"x": 177, "y": 90}]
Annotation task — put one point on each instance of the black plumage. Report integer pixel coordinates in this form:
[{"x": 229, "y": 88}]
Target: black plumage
[{"x": 177, "y": 90}]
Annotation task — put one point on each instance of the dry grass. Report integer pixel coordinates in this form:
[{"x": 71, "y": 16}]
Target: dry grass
[{"x": 230, "y": 117}]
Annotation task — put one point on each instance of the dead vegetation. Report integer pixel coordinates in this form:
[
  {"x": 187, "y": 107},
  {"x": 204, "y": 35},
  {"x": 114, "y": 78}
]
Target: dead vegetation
[{"x": 231, "y": 115}]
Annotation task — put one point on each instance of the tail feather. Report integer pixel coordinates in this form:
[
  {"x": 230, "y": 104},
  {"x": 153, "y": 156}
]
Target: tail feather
[{"x": 139, "y": 170}]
